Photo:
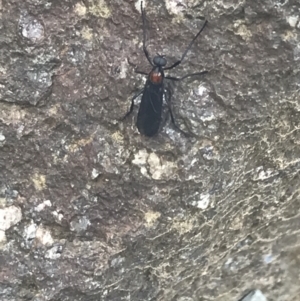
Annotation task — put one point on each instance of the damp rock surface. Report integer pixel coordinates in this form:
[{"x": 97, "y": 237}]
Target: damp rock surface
[{"x": 91, "y": 210}]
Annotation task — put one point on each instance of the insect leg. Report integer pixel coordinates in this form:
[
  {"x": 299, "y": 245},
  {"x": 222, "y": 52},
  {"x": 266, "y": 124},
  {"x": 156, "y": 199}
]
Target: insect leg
[
  {"x": 187, "y": 49},
  {"x": 168, "y": 96},
  {"x": 132, "y": 104},
  {"x": 144, "y": 34},
  {"x": 188, "y": 75}
]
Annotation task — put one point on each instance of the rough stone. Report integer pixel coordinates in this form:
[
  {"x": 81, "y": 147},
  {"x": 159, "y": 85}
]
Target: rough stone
[{"x": 91, "y": 210}]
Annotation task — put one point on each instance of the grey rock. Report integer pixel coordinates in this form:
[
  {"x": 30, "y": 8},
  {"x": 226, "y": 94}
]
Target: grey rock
[{"x": 103, "y": 213}]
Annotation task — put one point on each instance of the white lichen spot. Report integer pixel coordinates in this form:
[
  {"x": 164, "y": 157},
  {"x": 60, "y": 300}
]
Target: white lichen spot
[
  {"x": 2, "y": 137},
  {"x": 3, "y": 202},
  {"x": 58, "y": 216},
  {"x": 153, "y": 160},
  {"x": 150, "y": 218},
  {"x": 263, "y": 174},
  {"x": 99, "y": 8},
  {"x": 39, "y": 181},
  {"x": 95, "y": 173},
  {"x": 118, "y": 137},
  {"x": 289, "y": 35},
  {"x": 201, "y": 90},
  {"x": 31, "y": 28},
  {"x": 9, "y": 217},
  {"x": 183, "y": 226},
  {"x": 293, "y": 20},
  {"x": 207, "y": 116},
  {"x": 158, "y": 169},
  {"x": 117, "y": 261},
  {"x": 140, "y": 158},
  {"x": 297, "y": 58},
  {"x": 203, "y": 202},
  {"x": 87, "y": 33},
  {"x": 80, "y": 9},
  {"x": 144, "y": 171},
  {"x": 123, "y": 69},
  {"x": 236, "y": 222},
  {"x": 43, "y": 236},
  {"x": 48, "y": 203},
  {"x": 30, "y": 232},
  {"x": 42, "y": 206},
  {"x": 228, "y": 262},
  {"x": 175, "y": 7},
  {"x": 53, "y": 111},
  {"x": 81, "y": 224},
  {"x": 244, "y": 32},
  {"x": 74, "y": 147},
  {"x": 54, "y": 252},
  {"x": 268, "y": 258},
  {"x": 185, "y": 298},
  {"x": 2, "y": 238}
]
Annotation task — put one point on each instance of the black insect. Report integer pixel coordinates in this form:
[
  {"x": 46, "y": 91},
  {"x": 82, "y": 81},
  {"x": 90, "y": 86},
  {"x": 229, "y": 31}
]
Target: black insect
[{"x": 150, "y": 111}]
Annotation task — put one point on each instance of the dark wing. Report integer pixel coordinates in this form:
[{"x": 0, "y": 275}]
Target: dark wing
[{"x": 149, "y": 115}]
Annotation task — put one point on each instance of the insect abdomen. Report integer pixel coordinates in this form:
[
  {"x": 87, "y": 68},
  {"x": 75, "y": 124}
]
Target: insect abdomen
[{"x": 149, "y": 115}]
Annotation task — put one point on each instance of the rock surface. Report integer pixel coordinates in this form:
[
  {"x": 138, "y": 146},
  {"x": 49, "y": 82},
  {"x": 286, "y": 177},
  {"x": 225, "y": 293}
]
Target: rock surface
[{"x": 91, "y": 210}]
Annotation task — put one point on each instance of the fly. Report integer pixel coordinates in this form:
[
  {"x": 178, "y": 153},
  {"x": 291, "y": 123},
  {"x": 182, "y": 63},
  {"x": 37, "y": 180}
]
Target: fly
[{"x": 150, "y": 111}]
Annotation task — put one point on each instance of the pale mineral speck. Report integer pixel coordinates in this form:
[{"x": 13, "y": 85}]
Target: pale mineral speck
[
  {"x": 175, "y": 6},
  {"x": 117, "y": 261},
  {"x": 207, "y": 116},
  {"x": 43, "y": 235},
  {"x": 160, "y": 169},
  {"x": 2, "y": 237},
  {"x": 264, "y": 173},
  {"x": 201, "y": 90},
  {"x": 203, "y": 202},
  {"x": 80, "y": 9},
  {"x": 30, "y": 232},
  {"x": 140, "y": 158},
  {"x": 9, "y": 217},
  {"x": 95, "y": 173},
  {"x": 2, "y": 137},
  {"x": 123, "y": 69},
  {"x": 151, "y": 217},
  {"x": 42, "y": 206},
  {"x": 144, "y": 171},
  {"x": 39, "y": 181},
  {"x": 31, "y": 28},
  {"x": 153, "y": 160},
  {"x": 228, "y": 261},
  {"x": 99, "y": 8},
  {"x": 81, "y": 224},
  {"x": 57, "y": 215},
  {"x": 54, "y": 252},
  {"x": 292, "y": 20},
  {"x": 268, "y": 258}
]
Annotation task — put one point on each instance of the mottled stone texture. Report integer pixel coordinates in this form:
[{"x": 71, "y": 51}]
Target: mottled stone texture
[{"x": 91, "y": 210}]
